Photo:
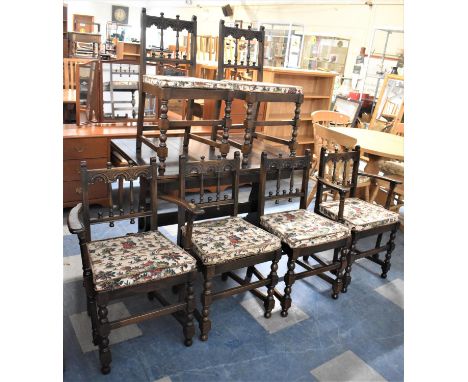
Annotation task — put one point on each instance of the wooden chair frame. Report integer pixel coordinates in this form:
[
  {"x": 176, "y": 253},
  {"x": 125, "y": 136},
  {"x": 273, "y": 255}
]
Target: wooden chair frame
[
  {"x": 343, "y": 189},
  {"x": 79, "y": 223},
  {"x": 165, "y": 94},
  {"x": 253, "y": 99},
  {"x": 323, "y": 136},
  {"x": 338, "y": 264},
  {"x": 210, "y": 172}
]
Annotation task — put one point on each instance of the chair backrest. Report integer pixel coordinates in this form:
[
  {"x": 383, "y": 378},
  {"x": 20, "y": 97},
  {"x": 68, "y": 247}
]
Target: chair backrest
[
  {"x": 277, "y": 168},
  {"x": 327, "y": 118},
  {"x": 339, "y": 168},
  {"x": 69, "y": 72},
  {"x": 118, "y": 209},
  {"x": 241, "y": 42},
  {"x": 208, "y": 173},
  {"x": 333, "y": 142},
  {"x": 399, "y": 129},
  {"x": 160, "y": 58}
]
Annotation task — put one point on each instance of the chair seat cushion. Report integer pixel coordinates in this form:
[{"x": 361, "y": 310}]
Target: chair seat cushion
[
  {"x": 303, "y": 228},
  {"x": 358, "y": 214},
  {"x": 136, "y": 259},
  {"x": 183, "y": 82},
  {"x": 219, "y": 241},
  {"x": 393, "y": 167},
  {"x": 264, "y": 87}
]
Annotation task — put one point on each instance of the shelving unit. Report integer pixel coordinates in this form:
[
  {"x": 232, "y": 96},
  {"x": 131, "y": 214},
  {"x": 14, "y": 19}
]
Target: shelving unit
[
  {"x": 379, "y": 61},
  {"x": 318, "y": 92}
]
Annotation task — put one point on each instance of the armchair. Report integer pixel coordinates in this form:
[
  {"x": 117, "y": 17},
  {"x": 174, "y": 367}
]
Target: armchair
[{"x": 132, "y": 264}]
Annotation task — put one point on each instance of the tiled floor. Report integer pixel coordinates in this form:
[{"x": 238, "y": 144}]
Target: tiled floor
[{"x": 358, "y": 337}]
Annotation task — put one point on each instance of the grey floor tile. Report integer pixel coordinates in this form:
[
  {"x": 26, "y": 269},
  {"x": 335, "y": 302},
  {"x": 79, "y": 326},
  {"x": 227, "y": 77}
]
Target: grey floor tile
[
  {"x": 72, "y": 268},
  {"x": 81, "y": 323},
  {"x": 393, "y": 291},
  {"x": 164, "y": 379},
  {"x": 275, "y": 323},
  {"x": 347, "y": 367}
]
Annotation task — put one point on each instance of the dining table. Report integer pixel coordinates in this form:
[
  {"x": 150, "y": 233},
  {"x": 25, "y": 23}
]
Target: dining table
[{"x": 376, "y": 145}]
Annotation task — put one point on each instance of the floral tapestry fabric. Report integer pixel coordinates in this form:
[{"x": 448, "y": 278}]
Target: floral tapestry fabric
[
  {"x": 359, "y": 214},
  {"x": 393, "y": 167},
  {"x": 136, "y": 259},
  {"x": 183, "y": 82},
  {"x": 303, "y": 228},
  {"x": 218, "y": 241},
  {"x": 264, "y": 87}
]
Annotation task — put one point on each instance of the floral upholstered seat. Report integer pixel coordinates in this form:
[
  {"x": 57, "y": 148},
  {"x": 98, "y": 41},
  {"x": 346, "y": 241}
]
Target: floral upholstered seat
[
  {"x": 218, "y": 241},
  {"x": 359, "y": 214},
  {"x": 263, "y": 87},
  {"x": 135, "y": 259},
  {"x": 303, "y": 228},
  {"x": 183, "y": 82}
]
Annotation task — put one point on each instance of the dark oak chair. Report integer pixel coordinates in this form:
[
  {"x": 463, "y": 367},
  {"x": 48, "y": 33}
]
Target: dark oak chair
[
  {"x": 166, "y": 88},
  {"x": 338, "y": 171},
  {"x": 302, "y": 232},
  {"x": 223, "y": 245},
  {"x": 132, "y": 264},
  {"x": 238, "y": 74}
]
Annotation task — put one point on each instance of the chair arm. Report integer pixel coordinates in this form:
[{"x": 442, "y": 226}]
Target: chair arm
[
  {"x": 393, "y": 184},
  {"x": 385, "y": 178},
  {"x": 190, "y": 207},
  {"x": 75, "y": 225},
  {"x": 341, "y": 189}
]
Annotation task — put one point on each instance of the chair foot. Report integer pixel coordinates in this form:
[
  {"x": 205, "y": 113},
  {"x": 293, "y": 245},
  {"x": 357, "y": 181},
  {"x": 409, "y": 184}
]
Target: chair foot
[
  {"x": 344, "y": 290},
  {"x": 203, "y": 337},
  {"x": 267, "y": 314},
  {"x": 335, "y": 296},
  {"x": 150, "y": 296},
  {"x": 224, "y": 276},
  {"x": 284, "y": 313},
  {"x": 383, "y": 275},
  {"x": 188, "y": 342},
  {"x": 105, "y": 370}
]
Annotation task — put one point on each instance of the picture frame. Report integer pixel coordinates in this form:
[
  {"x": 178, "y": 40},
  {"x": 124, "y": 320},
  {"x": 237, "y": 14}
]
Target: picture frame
[{"x": 347, "y": 106}]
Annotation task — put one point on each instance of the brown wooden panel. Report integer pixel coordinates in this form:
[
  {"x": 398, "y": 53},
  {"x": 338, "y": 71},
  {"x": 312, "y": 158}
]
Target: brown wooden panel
[
  {"x": 72, "y": 191},
  {"x": 83, "y": 148},
  {"x": 71, "y": 168}
]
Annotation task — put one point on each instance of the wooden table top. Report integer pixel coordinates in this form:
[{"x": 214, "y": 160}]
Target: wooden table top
[
  {"x": 69, "y": 95},
  {"x": 375, "y": 142}
]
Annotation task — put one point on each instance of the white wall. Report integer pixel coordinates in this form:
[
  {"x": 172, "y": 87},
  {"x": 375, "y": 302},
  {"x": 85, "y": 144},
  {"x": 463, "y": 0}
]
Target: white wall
[{"x": 342, "y": 18}]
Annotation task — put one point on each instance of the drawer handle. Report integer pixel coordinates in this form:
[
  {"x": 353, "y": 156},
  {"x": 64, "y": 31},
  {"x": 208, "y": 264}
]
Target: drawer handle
[
  {"x": 78, "y": 190},
  {"x": 79, "y": 149}
]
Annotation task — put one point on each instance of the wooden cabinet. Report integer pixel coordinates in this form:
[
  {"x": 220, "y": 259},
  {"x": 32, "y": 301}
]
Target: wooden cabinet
[{"x": 95, "y": 151}]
